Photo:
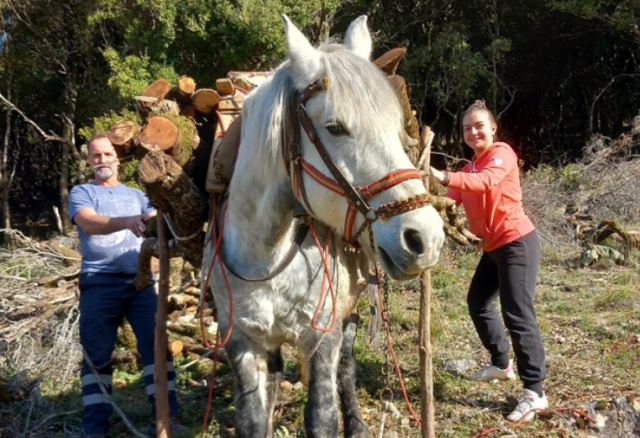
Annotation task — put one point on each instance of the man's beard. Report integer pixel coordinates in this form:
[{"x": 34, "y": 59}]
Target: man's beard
[{"x": 104, "y": 171}]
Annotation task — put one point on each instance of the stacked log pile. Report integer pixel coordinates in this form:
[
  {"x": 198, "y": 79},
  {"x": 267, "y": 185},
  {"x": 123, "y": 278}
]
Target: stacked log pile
[{"x": 174, "y": 142}]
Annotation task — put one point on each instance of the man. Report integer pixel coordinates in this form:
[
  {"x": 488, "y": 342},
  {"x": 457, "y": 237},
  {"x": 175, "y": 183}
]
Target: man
[{"x": 111, "y": 220}]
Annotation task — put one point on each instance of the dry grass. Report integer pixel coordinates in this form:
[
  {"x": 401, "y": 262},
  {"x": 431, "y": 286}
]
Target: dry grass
[{"x": 590, "y": 321}]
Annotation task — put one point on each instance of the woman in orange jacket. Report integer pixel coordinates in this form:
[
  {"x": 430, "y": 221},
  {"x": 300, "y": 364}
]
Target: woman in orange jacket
[{"x": 489, "y": 189}]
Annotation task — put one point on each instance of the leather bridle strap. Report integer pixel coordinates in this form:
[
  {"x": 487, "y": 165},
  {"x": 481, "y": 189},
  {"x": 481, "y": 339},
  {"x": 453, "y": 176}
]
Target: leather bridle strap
[
  {"x": 356, "y": 196},
  {"x": 350, "y": 192}
]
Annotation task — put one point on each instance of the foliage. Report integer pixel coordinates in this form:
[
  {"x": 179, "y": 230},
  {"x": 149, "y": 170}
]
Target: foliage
[
  {"x": 132, "y": 74},
  {"x": 104, "y": 122}
]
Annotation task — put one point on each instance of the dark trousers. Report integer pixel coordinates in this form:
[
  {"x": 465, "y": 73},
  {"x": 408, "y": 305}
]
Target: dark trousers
[
  {"x": 510, "y": 272},
  {"x": 105, "y": 299}
]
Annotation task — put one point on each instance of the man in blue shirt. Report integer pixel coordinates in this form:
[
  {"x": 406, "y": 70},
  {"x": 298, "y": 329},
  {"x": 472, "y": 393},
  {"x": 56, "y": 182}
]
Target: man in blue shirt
[{"x": 111, "y": 220}]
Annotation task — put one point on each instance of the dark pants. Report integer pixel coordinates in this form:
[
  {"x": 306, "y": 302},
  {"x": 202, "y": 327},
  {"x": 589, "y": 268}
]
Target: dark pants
[
  {"x": 511, "y": 272},
  {"x": 105, "y": 299}
]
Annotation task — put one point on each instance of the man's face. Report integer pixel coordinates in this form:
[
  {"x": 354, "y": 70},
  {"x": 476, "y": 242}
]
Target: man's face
[{"x": 103, "y": 158}]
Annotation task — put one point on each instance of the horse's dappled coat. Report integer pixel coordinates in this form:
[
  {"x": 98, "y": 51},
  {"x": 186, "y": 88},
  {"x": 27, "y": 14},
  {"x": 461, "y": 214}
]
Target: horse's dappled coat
[{"x": 260, "y": 225}]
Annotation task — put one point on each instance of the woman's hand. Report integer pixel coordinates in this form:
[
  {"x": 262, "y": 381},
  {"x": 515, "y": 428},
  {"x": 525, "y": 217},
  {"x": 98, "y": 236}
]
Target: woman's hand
[{"x": 441, "y": 175}]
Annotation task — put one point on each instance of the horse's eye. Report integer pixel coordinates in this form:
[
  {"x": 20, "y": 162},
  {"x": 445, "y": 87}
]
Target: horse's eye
[{"x": 336, "y": 128}]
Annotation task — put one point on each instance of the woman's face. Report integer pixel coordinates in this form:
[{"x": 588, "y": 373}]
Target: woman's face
[{"x": 478, "y": 130}]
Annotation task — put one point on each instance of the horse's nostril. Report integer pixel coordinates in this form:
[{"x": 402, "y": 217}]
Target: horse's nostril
[{"x": 414, "y": 241}]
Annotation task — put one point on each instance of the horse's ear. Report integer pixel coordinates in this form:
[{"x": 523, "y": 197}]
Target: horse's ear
[
  {"x": 358, "y": 38},
  {"x": 305, "y": 59}
]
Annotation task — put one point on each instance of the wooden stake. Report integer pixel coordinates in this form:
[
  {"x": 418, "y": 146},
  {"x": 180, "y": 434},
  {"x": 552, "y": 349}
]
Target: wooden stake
[
  {"x": 160, "y": 357},
  {"x": 427, "y": 409}
]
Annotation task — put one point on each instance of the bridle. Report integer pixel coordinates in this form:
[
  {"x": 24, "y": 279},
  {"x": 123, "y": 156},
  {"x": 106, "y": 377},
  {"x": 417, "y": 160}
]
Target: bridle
[{"x": 357, "y": 196}]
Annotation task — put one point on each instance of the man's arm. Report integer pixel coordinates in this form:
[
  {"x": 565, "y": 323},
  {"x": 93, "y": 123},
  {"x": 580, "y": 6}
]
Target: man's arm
[{"x": 93, "y": 223}]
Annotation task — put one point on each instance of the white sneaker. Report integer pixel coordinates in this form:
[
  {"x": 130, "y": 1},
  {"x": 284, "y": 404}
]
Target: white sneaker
[
  {"x": 528, "y": 405},
  {"x": 492, "y": 372}
]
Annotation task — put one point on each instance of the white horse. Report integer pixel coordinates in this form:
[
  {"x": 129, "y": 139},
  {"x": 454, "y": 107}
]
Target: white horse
[{"x": 324, "y": 132}]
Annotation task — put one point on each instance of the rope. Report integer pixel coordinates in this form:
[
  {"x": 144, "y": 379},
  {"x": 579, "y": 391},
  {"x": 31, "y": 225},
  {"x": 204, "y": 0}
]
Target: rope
[
  {"x": 216, "y": 240},
  {"x": 392, "y": 352},
  {"x": 169, "y": 223},
  {"x": 323, "y": 292}
]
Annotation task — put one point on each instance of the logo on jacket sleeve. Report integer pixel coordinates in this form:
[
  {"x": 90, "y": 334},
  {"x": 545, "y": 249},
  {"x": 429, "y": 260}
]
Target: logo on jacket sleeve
[{"x": 497, "y": 161}]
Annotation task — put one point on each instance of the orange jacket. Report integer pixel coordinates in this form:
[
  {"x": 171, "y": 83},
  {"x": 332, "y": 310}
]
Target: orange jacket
[{"x": 489, "y": 189}]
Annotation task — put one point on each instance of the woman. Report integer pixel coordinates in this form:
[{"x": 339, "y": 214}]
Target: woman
[{"x": 489, "y": 189}]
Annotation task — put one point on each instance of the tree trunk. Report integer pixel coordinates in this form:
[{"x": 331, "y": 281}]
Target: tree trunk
[
  {"x": 4, "y": 160},
  {"x": 4, "y": 168},
  {"x": 67, "y": 146}
]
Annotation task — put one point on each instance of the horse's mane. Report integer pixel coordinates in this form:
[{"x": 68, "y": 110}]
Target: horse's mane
[{"x": 360, "y": 95}]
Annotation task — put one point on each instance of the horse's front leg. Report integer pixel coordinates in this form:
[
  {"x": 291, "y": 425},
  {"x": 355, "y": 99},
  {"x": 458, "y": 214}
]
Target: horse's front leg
[
  {"x": 321, "y": 413},
  {"x": 256, "y": 379},
  {"x": 354, "y": 425}
]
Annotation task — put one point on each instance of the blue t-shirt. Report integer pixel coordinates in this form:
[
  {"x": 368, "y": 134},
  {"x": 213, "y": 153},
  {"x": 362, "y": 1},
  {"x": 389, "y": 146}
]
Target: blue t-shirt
[{"x": 116, "y": 252}]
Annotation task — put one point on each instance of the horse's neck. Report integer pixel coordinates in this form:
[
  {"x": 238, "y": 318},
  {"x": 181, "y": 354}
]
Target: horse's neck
[{"x": 259, "y": 226}]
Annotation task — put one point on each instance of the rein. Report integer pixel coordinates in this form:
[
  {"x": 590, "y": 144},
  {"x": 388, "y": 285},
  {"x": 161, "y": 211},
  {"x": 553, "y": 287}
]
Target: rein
[{"x": 357, "y": 196}]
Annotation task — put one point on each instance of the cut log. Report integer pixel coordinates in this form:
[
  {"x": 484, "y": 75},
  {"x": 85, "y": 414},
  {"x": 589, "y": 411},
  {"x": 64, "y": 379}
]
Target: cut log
[
  {"x": 186, "y": 85},
  {"x": 166, "y": 106},
  {"x": 224, "y": 87},
  {"x": 159, "y": 134},
  {"x": 205, "y": 100},
  {"x": 122, "y": 134},
  {"x": 176, "y": 347},
  {"x": 248, "y": 80},
  {"x": 157, "y": 89},
  {"x": 171, "y": 190}
]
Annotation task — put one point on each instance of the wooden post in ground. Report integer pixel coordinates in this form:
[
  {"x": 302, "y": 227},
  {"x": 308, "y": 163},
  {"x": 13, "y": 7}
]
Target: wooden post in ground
[
  {"x": 427, "y": 410},
  {"x": 160, "y": 367}
]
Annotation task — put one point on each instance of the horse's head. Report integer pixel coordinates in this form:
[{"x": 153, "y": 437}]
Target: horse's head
[{"x": 350, "y": 169}]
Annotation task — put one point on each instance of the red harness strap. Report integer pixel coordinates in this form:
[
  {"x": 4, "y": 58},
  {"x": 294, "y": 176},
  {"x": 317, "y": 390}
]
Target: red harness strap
[{"x": 367, "y": 191}]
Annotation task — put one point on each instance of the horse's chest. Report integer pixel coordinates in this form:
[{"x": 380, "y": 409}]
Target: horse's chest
[{"x": 286, "y": 310}]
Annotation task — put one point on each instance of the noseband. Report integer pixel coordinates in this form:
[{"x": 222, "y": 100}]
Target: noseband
[{"x": 357, "y": 196}]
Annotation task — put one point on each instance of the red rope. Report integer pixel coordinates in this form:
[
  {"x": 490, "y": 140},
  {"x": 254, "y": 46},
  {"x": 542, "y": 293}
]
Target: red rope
[
  {"x": 216, "y": 239},
  {"x": 325, "y": 276}
]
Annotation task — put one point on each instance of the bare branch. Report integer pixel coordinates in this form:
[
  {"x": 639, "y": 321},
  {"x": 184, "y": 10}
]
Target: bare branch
[
  {"x": 47, "y": 137},
  {"x": 601, "y": 92}
]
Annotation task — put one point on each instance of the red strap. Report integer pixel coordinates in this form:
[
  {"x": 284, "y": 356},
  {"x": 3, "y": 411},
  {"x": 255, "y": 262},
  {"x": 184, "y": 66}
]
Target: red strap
[{"x": 367, "y": 191}]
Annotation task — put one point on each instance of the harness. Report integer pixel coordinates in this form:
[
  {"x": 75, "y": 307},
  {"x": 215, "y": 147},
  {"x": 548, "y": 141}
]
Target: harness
[{"x": 357, "y": 196}]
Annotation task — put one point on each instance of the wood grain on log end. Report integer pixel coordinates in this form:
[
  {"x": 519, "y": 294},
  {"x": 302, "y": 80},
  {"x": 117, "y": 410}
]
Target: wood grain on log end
[
  {"x": 186, "y": 85},
  {"x": 157, "y": 89},
  {"x": 205, "y": 100},
  {"x": 159, "y": 134}
]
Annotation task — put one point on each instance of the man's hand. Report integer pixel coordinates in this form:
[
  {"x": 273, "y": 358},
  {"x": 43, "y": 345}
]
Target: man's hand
[
  {"x": 135, "y": 224},
  {"x": 148, "y": 216},
  {"x": 93, "y": 223}
]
